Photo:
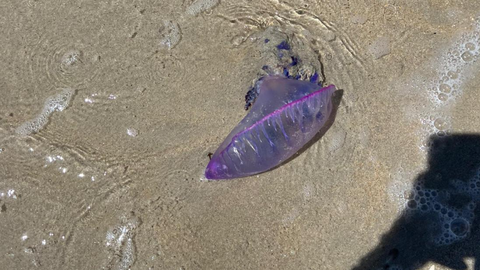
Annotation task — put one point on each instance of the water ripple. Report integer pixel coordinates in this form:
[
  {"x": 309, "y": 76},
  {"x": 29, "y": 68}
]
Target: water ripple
[{"x": 66, "y": 63}]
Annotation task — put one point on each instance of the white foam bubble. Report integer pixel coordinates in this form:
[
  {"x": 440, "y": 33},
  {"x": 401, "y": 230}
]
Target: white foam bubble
[
  {"x": 90, "y": 99},
  {"x": 200, "y": 6},
  {"x": 438, "y": 124},
  {"x": 55, "y": 103},
  {"x": 132, "y": 132},
  {"x": 24, "y": 237},
  {"x": 436, "y": 96},
  {"x": 120, "y": 243},
  {"x": 9, "y": 194},
  {"x": 453, "y": 67},
  {"x": 71, "y": 57},
  {"x": 171, "y": 34}
]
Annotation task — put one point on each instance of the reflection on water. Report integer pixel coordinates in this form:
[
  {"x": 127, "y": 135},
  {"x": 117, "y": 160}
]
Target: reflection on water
[{"x": 111, "y": 181}]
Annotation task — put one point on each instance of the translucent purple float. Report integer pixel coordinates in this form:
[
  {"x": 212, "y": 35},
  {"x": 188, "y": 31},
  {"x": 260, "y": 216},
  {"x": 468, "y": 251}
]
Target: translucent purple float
[{"x": 286, "y": 115}]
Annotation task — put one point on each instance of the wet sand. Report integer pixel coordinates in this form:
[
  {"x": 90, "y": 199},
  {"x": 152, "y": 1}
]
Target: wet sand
[{"x": 113, "y": 181}]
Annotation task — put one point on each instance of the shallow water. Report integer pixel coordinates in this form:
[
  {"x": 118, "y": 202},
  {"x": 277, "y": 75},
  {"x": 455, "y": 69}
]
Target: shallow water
[{"x": 113, "y": 181}]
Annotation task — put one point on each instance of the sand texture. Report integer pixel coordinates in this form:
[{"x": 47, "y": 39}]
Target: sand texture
[{"x": 108, "y": 110}]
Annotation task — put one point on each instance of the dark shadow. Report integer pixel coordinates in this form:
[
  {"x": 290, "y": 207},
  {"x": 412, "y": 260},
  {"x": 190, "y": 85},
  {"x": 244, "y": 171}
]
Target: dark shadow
[{"x": 440, "y": 222}]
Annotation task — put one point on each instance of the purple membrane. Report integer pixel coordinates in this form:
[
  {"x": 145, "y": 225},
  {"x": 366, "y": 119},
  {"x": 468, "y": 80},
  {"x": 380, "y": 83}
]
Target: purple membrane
[{"x": 286, "y": 115}]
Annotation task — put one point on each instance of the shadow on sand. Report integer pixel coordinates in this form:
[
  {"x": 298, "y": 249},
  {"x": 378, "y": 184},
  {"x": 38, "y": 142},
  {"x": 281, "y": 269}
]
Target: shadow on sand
[{"x": 440, "y": 222}]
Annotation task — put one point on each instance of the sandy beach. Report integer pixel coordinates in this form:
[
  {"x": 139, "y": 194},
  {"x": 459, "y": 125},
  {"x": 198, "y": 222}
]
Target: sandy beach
[{"x": 109, "y": 109}]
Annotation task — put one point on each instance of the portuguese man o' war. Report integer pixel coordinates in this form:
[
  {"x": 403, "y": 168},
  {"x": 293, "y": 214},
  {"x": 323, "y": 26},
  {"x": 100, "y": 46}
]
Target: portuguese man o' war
[
  {"x": 287, "y": 112},
  {"x": 286, "y": 115}
]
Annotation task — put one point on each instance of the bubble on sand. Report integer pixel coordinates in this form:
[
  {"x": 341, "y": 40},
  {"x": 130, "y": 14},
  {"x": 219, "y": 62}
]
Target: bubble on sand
[
  {"x": 467, "y": 56},
  {"x": 120, "y": 243},
  {"x": 200, "y": 6},
  {"x": 454, "y": 68},
  {"x": 170, "y": 33},
  {"x": 442, "y": 97},
  {"x": 8, "y": 194},
  {"x": 132, "y": 132},
  {"x": 380, "y": 47},
  {"x": 440, "y": 124},
  {"x": 53, "y": 103},
  {"x": 71, "y": 58},
  {"x": 445, "y": 88},
  {"x": 470, "y": 46},
  {"x": 24, "y": 237},
  {"x": 442, "y": 92},
  {"x": 457, "y": 58},
  {"x": 452, "y": 74}
]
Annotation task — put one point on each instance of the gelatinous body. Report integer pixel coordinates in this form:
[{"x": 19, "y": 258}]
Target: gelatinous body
[{"x": 286, "y": 115}]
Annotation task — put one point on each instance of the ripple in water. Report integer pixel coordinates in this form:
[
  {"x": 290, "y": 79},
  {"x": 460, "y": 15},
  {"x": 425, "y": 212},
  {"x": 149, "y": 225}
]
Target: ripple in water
[
  {"x": 343, "y": 62},
  {"x": 166, "y": 68},
  {"x": 64, "y": 63}
]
